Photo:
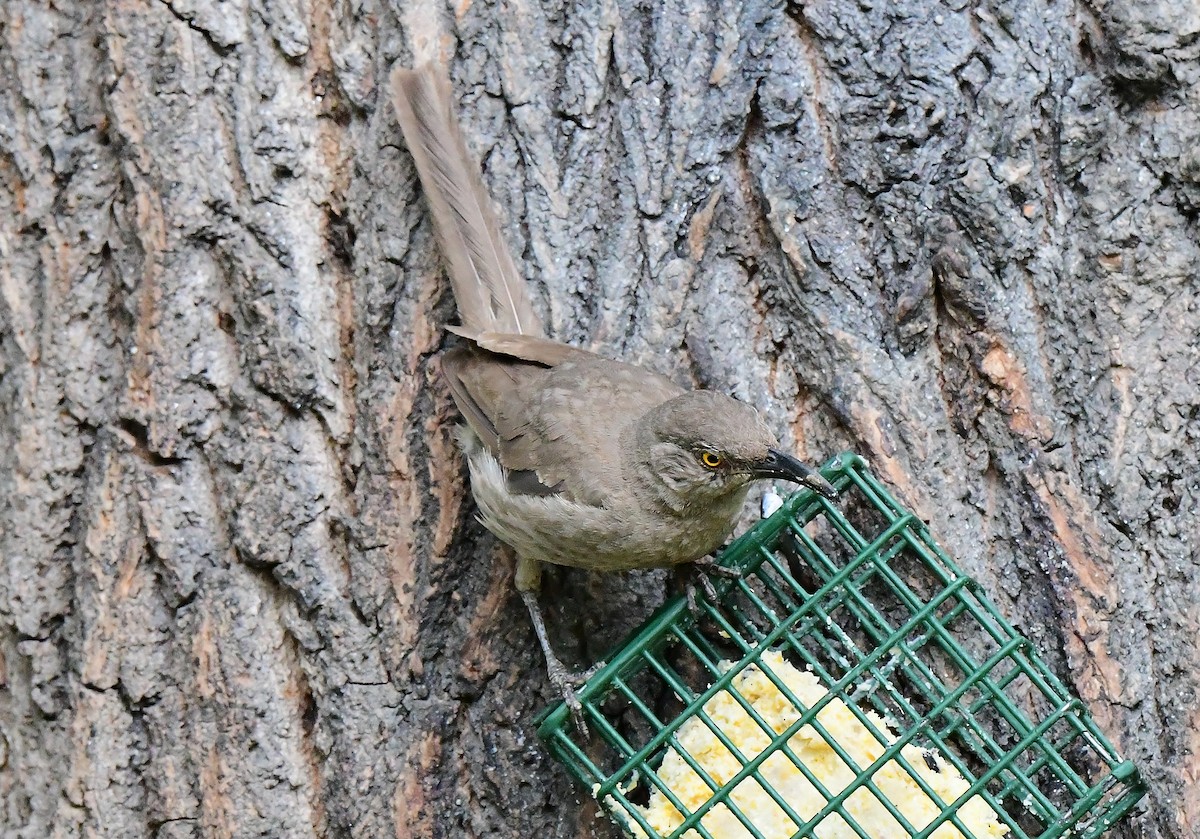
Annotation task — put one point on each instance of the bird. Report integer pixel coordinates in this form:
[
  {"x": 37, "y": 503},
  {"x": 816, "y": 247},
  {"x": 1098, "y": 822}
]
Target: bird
[{"x": 575, "y": 459}]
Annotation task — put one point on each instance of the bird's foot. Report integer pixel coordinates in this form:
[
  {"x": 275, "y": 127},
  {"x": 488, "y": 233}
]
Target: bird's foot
[
  {"x": 703, "y": 570},
  {"x": 566, "y": 683},
  {"x": 710, "y": 566}
]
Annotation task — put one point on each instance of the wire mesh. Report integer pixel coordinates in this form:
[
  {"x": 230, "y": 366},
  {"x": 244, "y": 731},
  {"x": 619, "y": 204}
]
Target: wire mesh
[{"x": 909, "y": 657}]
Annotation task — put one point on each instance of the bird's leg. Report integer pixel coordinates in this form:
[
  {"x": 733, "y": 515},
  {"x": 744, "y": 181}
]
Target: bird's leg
[
  {"x": 704, "y": 568},
  {"x": 529, "y": 582}
]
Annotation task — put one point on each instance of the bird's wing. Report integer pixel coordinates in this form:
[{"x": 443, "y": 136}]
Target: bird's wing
[
  {"x": 541, "y": 351},
  {"x": 552, "y": 413}
]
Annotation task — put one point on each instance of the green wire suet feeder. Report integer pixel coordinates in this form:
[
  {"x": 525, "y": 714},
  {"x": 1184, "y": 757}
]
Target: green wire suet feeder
[{"x": 905, "y": 650}]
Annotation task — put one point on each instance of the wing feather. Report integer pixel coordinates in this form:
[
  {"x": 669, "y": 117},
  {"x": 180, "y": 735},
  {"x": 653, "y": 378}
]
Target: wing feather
[{"x": 532, "y": 411}]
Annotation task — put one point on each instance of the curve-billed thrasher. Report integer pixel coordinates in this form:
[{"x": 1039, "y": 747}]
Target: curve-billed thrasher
[{"x": 575, "y": 459}]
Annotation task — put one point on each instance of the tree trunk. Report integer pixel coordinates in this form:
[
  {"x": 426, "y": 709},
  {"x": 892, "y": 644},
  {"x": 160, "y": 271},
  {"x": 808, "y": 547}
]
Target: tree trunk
[{"x": 244, "y": 590}]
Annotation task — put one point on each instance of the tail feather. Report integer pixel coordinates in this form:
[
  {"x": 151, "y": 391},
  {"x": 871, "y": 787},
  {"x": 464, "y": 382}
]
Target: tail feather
[{"x": 491, "y": 295}]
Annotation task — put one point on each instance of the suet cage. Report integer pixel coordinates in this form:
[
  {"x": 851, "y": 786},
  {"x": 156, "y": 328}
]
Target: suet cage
[{"x": 907, "y": 652}]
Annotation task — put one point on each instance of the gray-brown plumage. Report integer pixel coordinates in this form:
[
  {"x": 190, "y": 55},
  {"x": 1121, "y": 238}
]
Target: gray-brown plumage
[
  {"x": 491, "y": 295},
  {"x": 575, "y": 459}
]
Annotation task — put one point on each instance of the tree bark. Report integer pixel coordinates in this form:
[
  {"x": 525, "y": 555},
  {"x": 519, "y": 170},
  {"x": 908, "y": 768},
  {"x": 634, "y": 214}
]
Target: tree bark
[{"x": 244, "y": 593}]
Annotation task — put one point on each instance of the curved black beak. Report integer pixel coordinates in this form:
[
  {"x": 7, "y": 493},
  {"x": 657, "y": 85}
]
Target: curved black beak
[{"x": 779, "y": 465}]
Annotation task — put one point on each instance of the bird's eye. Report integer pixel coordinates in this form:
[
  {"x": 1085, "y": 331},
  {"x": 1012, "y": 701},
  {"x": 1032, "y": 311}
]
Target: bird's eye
[{"x": 711, "y": 460}]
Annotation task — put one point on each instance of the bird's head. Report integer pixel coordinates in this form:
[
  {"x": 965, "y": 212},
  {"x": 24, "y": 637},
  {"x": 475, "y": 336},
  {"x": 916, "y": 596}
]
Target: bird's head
[{"x": 704, "y": 447}]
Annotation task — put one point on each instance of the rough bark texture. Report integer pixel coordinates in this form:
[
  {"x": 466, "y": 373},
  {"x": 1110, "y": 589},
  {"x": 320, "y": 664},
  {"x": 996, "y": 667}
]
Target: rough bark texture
[{"x": 243, "y": 593}]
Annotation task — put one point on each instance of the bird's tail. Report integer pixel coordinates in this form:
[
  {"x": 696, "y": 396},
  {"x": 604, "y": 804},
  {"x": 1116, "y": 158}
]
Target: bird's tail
[{"x": 491, "y": 295}]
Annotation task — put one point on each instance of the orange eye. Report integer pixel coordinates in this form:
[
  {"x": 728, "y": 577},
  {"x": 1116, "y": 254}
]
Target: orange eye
[{"x": 711, "y": 460}]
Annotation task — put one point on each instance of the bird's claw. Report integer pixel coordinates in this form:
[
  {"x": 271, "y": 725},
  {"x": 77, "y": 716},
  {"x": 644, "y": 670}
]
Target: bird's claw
[
  {"x": 711, "y": 567},
  {"x": 710, "y": 592},
  {"x": 584, "y": 675},
  {"x": 705, "y": 568},
  {"x": 566, "y": 683}
]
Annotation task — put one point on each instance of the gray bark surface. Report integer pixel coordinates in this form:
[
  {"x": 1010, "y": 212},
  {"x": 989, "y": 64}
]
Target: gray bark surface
[{"x": 243, "y": 592}]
